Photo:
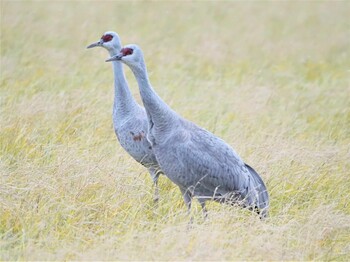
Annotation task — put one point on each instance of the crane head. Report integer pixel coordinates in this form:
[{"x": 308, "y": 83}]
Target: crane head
[
  {"x": 129, "y": 54},
  {"x": 109, "y": 40}
]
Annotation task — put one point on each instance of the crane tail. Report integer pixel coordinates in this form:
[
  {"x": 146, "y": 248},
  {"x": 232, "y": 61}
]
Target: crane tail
[{"x": 263, "y": 196}]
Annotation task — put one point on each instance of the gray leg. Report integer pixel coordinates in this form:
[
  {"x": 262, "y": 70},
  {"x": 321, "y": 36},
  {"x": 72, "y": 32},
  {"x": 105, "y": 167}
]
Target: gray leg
[
  {"x": 188, "y": 201},
  {"x": 204, "y": 209},
  {"x": 187, "y": 198},
  {"x": 155, "y": 176}
]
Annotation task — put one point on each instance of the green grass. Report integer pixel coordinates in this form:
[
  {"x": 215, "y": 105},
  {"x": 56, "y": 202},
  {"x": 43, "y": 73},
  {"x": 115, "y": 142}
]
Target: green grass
[{"x": 272, "y": 79}]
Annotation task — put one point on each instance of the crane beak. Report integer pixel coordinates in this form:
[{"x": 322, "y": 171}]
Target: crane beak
[
  {"x": 99, "y": 43},
  {"x": 115, "y": 58}
]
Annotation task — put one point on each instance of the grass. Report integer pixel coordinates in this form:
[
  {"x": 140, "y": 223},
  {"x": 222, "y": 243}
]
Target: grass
[{"x": 271, "y": 78}]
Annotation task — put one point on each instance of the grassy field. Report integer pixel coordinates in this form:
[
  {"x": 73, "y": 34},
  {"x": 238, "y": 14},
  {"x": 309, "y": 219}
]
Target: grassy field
[{"x": 270, "y": 78}]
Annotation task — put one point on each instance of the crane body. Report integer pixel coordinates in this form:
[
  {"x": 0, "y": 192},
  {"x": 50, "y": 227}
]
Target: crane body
[
  {"x": 201, "y": 164},
  {"x": 129, "y": 118}
]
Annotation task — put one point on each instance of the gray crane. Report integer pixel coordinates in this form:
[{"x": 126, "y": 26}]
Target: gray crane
[
  {"x": 201, "y": 164},
  {"x": 129, "y": 118}
]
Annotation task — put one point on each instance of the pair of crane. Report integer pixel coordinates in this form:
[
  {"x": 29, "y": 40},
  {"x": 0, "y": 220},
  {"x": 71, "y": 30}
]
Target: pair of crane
[{"x": 202, "y": 165}]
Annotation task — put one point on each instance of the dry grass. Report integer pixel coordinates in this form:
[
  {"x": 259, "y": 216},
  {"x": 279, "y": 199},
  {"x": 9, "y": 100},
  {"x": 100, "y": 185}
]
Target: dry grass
[{"x": 272, "y": 79}]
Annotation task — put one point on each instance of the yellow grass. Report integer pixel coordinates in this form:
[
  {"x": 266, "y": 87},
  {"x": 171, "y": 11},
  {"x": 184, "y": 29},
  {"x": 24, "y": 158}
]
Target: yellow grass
[{"x": 271, "y": 78}]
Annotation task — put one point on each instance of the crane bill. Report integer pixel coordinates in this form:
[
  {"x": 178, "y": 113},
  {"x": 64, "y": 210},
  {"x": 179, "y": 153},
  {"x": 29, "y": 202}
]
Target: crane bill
[
  {"x": 114, "y": 58},
  {"x": 94, "y": 44}
]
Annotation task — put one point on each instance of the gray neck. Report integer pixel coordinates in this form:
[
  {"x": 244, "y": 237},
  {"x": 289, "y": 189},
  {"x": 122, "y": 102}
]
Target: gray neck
[
  {"x": 159, "y": 113},
  {"x": 124, "y": 103}
]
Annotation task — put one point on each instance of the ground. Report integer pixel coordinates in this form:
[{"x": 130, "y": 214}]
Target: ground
[{"x": 270, "y": 78}]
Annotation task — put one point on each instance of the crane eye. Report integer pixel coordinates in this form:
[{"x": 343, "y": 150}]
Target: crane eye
[
  {"x": 127, "y": 51},
  {"x": 107, "y": 38}
]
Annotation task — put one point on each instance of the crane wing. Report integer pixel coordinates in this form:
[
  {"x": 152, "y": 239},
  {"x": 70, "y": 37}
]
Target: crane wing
[
  {"x": 212, "y": 166},
  {"x": 263, "y": 195}
]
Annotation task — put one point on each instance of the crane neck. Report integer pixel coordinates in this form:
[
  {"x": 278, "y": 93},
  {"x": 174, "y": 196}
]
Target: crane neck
[
  {"x": 124, "y": 103},
  {"x": 158, "y": 112}
]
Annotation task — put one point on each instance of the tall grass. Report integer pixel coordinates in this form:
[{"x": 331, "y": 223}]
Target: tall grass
[{"x": 271, "y": 78}]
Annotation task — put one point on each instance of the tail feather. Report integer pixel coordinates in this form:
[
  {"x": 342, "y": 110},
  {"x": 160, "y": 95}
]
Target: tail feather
[{"x": 263, "y": 195}]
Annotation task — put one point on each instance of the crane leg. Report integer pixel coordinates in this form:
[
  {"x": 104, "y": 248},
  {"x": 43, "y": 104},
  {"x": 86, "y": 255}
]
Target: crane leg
[
  {"x": 155, "y": 176},
  {"x": 204, "y": 209},
  {"x": 187, "y": 198},
  {"x": 188, "y": 201}
]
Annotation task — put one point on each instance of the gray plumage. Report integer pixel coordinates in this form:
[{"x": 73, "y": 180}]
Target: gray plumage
[
  {"x": 201, "y": 164},
  {"x": 129, "y": 118}
]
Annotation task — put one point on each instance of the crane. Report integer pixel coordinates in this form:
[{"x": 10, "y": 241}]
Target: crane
[
  {"x": 198, "y": 162},
  {"x": 129, "y": 118}
]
